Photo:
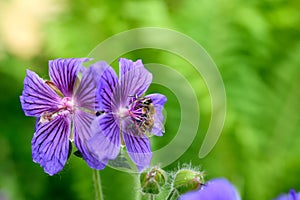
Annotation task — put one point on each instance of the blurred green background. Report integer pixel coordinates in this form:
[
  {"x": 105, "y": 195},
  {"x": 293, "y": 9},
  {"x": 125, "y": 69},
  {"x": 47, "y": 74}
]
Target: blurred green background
[{"x": 255, "y": 44}]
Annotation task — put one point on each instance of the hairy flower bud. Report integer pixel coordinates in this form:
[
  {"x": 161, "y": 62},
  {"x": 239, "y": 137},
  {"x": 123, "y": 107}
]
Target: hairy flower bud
[
  {"x": 186, "y": 180},
  {"x": 152, "y": 180}
]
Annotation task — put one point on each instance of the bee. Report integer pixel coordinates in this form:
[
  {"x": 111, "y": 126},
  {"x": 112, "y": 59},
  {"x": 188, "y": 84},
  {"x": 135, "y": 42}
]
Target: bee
[
  {"x": 150, "y": 124},
  {"x": 142, "y": 113},
  {"x": 145, "y": 122},
  {"x": 148, "y": 105}
]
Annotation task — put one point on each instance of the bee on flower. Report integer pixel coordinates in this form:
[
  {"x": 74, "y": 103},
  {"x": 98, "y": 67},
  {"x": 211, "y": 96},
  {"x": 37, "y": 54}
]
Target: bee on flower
[{"x": 125, "y": 116}]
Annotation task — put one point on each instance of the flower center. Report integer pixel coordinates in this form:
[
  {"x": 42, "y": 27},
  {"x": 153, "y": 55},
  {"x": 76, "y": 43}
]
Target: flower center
[
  {"x": 122, "y": 112},
  {"x": 67, "y": 104},
  {"x": 66, "y": 107}
]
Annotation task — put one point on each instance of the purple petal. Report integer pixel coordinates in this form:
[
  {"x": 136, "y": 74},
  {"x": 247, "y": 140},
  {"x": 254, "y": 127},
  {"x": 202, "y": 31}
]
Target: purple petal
[
  {"x": 294, "y": 195},
  {"x": 291, "y": 196},
  {"x": 216, "y": 189},
  {"x": 37, "y": 97},
  {"x": 158, "y": 101},
  {"x": 63, "y": 72},
  {"x": 50, "y": 144},
  {"x": 105, "y": 143},
  {"x": 98, "y": 69},
  {"x": 85, "y": 95},
  {"x": 138, "y": 148},
  {"x": 107, "y": 91},
  {"x": 134, "y": 78},
  {"x": 82, "y": 133}
]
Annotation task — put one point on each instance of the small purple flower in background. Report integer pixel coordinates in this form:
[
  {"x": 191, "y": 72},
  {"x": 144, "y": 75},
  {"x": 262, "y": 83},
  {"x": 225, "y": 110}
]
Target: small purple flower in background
[
  {"x": 64, "y": 108},
  {"x": 292, "y": 195},
  {"x": 215, "y": 189},
  {"x": 125, "y": 116}
]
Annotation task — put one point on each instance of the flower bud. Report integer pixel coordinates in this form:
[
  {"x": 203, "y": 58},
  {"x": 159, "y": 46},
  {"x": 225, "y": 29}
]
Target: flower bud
[
  {"x": 152, "y": 180},
  {"x": 186, "y": 180}
]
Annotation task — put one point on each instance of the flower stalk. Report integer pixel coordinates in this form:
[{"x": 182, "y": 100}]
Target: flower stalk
[
  {"x": 151, "y": 197},
  {"x": 173, "y": 195},
  {"x": 97, "y": 185}
]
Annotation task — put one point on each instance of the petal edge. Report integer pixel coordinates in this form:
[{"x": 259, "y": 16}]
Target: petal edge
[
  {"x": 50, "y": 144},
  {"x": 37, "y": 97}
]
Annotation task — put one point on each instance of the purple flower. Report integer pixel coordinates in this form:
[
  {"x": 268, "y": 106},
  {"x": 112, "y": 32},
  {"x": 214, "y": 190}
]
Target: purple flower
[
  {"x": 64, "y": 108},
  {"x": 125, "y": 116},
  {"x": 291, "y": 196},
  {"x": 216, "y": 189}
]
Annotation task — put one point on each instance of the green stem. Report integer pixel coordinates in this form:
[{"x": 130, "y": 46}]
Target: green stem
[
  {"x": 136, "y": 180},
  {"x": 151, "y": 197},
  {"x": 173, "y": 195},
  {"x": 97, "y": 185}
]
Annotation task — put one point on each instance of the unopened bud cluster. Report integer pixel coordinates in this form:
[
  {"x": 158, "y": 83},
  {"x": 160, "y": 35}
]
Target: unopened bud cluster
[{"x": 152, "y": 180}]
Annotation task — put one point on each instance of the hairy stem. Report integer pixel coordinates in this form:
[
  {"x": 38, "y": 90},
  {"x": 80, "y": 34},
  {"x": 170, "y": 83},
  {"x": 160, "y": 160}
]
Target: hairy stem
[{"x": 173, "y": 195}]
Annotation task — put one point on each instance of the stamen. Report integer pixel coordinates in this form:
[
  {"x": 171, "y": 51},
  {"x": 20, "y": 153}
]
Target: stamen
[
  {"x": 66, "y": 107},
  {"x": 67, "y": 104},
  {"x": 46, "y": 117}
]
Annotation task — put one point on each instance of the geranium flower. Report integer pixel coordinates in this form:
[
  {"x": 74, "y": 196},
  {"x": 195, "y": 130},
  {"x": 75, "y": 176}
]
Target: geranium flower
[
  {"x": 292, "y": 195},
  {"x": 125, "y": 116},
  {"x": 64, "y": 108},
  {"x": 215, "y": 189}
]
